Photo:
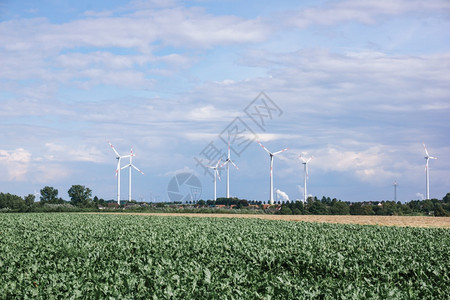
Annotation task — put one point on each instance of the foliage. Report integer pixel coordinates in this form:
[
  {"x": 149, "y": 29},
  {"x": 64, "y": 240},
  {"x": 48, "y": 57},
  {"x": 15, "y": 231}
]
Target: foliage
[
  {"x": 339, "y": 208},
  {"x": 29, "y": 200},
  {"x": 72, "y": 256},
  {"x": 50, "y": 195},
  {"x": 12, "y": 202},
  {"x": 80, "y": 195}
]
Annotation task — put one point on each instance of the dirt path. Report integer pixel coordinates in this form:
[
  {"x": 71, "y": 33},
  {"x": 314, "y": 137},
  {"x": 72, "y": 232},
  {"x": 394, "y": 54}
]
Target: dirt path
[{"x": 363, "y": 220}]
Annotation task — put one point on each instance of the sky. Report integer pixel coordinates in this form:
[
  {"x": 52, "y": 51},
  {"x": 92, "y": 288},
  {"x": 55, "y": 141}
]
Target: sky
[{"x": 357, "y": 85}]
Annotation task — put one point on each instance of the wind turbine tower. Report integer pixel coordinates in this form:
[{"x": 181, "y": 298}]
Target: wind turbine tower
[
  {"x": 129, "y": 172},
  {"x": 118, "y": 157},
  {"x": 216, "y": 174},
  {"x": 305, "y": 163},
  {"x": 271, "y": 169},
  {"x": 428, "y": 157},
  {"x": 395, "y": 191},
  {"x": 227, "y": 162}
]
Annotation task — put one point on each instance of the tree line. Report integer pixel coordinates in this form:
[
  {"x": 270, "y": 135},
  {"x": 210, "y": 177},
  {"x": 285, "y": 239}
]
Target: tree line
[
  {"x": 81, "y": 200},
  {"x": 327, "y": 206}
]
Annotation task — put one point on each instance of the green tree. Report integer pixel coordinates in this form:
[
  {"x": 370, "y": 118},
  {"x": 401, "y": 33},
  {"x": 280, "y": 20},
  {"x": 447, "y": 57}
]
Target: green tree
[
  {"x": 49, "y": 195},
  {"x": 427, "y": 206},
  {"x": 318, "y": 208},
  {"x": 12, "y": 202},
  {"x": 80, "y": 196},
  {"x": 360, "y": 209},
  {"x": 285, "y": 210},
  {"x": 439, "y": 211},
  {"x": 339, "y": 208},
  {"x": 29, "y": 200}
]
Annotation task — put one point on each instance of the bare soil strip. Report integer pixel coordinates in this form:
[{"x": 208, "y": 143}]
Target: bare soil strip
[{"x": 411, "y": 221}]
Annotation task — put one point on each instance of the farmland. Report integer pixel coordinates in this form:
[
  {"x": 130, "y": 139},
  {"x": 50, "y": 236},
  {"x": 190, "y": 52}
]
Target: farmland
[
  {"x": 412, "y": 221},
  {"x": 134, "y": 256}
]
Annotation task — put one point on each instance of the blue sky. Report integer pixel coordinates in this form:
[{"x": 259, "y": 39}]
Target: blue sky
[{"x": 359, "y": 86}]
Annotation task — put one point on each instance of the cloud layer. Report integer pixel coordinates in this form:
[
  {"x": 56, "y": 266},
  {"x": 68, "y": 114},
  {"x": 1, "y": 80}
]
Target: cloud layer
[{"x": 361, "y": 86}]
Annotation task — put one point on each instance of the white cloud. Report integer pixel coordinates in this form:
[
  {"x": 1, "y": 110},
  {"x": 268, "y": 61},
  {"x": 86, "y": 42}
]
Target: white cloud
[
  {"x": 15, "y": 164},
  {"x": 50, "y": 173},
  {"x": 361, "y": 11},
  {"x": 60, "y": 152},
  {"x": 136, "y": 75},
  {"x": 132, "y": 50}
]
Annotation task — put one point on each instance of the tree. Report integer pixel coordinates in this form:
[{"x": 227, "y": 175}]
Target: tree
[
  {"x": 339, "y": 208},
  {"x": 360, "y": 209},
  {"x": 427, "y": 206},
  {"x": 439, "y": 211},
  {"x": 80, "y": 196},
  {"x": 12, "y": 202},
  {"x": 317, "y": 208},
  {"x": 49, "y": 195},
  {"x": 29, "y": 199},
  {"x": 285, "y": 210}
]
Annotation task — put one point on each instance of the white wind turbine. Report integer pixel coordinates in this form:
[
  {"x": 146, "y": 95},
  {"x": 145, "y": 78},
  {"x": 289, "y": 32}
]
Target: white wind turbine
[
  {"x": 227, "y": 162},
  {"x": 271, "y": 169},
  {"x": 118, "y": 157},
  {"x": 428, "y": 157},
  {"x": 216, "y": 174},
  {"x": 305, "y": 162},
  {"x": 129, "y": 172},
  {"x": 395, "y": 190}
]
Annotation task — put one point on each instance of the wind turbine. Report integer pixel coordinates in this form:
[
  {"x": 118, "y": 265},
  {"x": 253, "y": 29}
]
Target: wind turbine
[
  {"x": 428, "y": 157},
  {"x": 118, "y": 157},
  {"x": 395, "y": 191},
  {"x": 305, "y": 162},
  {"x": 271, "y": 169},
  {"x": 216, "y": 174},
  {"x": 227, "y": 162},
  {"x": 129, "y": 172}
]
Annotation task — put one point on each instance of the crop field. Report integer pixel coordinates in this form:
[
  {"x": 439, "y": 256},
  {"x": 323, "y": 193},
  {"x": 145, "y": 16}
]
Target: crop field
[
  {"x": 412, "y": 221},
  {"x": 88, "y": 256}
]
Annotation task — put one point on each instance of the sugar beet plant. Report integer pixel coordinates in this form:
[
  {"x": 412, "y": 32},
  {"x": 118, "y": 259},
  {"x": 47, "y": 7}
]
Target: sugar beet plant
[{"x": 74, "y": 256}]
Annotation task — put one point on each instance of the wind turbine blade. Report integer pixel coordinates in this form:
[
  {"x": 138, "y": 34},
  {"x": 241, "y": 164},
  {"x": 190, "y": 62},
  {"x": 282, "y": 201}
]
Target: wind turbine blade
[
  {"x": 218, "y": 175},
  {"x": 137, "y": 169},
  {"x": 114, "y": 149},
  {"x": 431, "y": 157},
  {"x": 280, "y": 151},
  {"x": 234, "y": 164},
  {"x": 301, "y": 157},
  {"x": 224, "y": 163},
  {"x": 126, "y": 166},
  {"x": 218, "y": 162},
  {"x": 426, "y": 151},
  {"x": 265, "y": 148}
]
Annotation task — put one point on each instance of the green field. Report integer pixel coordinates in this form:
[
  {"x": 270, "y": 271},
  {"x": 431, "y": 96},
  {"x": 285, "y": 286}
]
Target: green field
[{"x": 65, "y": 256}]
